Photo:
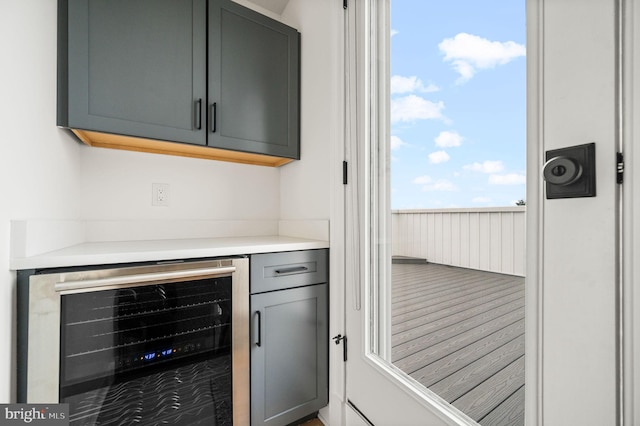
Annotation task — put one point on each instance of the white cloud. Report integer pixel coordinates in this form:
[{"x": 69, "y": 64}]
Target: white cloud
[
  {"x": 508, "y": 179},
  {"x": 485, "y": 167},
  {"x": 440, "y": 185},
  {"x": 397, "y": 143},
  {"x": 448, "y": 139},
  {"x": 438, "y": 157},
  {"x": 422, "y": 180},
  {"x": 469, "y": 53},
  {"x": 412, "y": 107},
  {"x": 400, "y": 84},
  {"x": 481, "y": 200},
  {"x": 428, "y": 184},
  {"x": 431, "y": 88},
  {"x": 394, "y": 32}
]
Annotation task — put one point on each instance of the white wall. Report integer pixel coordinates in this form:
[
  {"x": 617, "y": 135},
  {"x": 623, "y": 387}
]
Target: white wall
[
  {"x": 46, "y": 174},
  {"x": 116, "y": 185},
  {"x": 305, "y": 185},
  {"x": 39, "y": 164}
]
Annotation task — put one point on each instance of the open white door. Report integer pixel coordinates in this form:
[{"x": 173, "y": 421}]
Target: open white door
[
  {"x": 573, "y": 273},
  {"x": 375, "y": 393}
]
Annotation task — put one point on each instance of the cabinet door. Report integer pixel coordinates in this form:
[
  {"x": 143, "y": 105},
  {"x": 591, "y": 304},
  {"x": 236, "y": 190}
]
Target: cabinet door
[
  {"x": 289, "y": 354},
  {"x": 254, "y": 67},
  {"x": 134, "y": 67}
]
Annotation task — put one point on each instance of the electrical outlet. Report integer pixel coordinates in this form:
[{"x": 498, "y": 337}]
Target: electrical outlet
[{"x": 160, "y": 194}]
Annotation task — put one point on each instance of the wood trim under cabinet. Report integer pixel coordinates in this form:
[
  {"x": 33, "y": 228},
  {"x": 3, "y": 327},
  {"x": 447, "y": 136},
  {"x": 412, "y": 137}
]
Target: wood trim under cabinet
[{"x": 131, "y": 143}]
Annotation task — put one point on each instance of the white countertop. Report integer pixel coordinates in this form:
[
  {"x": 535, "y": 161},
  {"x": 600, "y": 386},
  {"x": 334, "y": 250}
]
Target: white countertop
[{"x": 99, "y": 253}]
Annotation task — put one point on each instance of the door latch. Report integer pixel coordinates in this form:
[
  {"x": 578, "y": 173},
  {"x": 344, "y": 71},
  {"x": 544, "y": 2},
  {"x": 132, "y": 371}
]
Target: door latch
[
  {"x": 571, "y": 172},
  {"x": 619, "y": 167},
  {"x": 340, "y": 338}
]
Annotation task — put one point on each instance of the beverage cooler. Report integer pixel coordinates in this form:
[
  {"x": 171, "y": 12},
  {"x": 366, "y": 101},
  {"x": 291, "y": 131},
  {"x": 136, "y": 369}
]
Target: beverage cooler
[{"x": 145, "y": 344}]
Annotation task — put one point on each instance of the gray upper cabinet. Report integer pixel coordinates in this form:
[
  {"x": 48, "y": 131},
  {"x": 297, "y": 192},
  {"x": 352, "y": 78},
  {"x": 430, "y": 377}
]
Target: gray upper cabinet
[
  {"x": 205, "y": 73},
  {"x": 254, "y": 83},
  {"x": 133, "y": 67}
]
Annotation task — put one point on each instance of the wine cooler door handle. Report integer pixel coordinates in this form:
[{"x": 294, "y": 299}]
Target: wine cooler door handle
[
  {"x": 141, "y": 279},
  {"x": 258, "y": 329}
]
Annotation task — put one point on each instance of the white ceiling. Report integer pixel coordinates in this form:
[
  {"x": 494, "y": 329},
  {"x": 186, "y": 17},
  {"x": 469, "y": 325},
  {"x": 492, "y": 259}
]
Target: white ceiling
[{"x": 276, "y": 6}]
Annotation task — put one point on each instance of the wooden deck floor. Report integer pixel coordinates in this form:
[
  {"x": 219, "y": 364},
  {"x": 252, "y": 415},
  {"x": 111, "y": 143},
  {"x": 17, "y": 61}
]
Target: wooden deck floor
[{"x": 460, "y": 332}]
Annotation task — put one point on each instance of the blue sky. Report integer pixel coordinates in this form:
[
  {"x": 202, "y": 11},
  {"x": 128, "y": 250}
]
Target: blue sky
[{"x": 457, "y": 103}]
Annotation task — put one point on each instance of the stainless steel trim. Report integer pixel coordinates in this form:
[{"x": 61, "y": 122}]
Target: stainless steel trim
[
  {"x": 240, "y": 343},
  {"x": 128, "y": 280}
]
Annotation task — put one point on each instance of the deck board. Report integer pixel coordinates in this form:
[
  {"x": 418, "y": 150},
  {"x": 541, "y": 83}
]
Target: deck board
[
  {"x": 452, "y": 326},
  {"x": 455, "y": 293},
  {"x": 462, "y": 381},
  {"x": 431, "y": 322},
  {"x": 481, "y": 400},
  {"x": 510, "y": 412},
  {"x": 447, "y": 308},
  {"x": 460, "y": 332}
]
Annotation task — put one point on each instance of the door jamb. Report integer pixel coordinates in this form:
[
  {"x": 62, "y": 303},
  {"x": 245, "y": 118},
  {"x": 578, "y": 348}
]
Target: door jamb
[{"x": 535, "y": 217}]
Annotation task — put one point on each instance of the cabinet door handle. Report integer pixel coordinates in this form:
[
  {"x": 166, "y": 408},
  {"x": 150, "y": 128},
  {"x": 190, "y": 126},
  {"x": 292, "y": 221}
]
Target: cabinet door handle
[
  {"x": 259, "y": 329},
  {"x": 199, "y": 114},
  {"x": 214, "y": 118}
]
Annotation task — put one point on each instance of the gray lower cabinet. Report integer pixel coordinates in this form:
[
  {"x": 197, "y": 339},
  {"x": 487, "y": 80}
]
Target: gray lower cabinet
[
  {"x": 289, "y": 336},
  {"x": 203, "y": 72}
]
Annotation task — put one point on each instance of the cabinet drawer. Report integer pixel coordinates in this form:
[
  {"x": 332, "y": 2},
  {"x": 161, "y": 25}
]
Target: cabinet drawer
[{"x": 277, "y": 271}]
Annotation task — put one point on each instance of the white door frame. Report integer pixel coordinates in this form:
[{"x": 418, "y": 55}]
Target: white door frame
[
  {"x": 573, "y": 273},
  {"x": 535, "y": 155},
  {"x": 630, "y": 315}
]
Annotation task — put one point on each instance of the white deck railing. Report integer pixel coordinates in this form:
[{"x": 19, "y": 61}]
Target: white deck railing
[{"x": 488, "y": 239}]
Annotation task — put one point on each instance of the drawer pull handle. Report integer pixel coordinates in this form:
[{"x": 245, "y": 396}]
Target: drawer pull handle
[{"x": 291, "y": 270}]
